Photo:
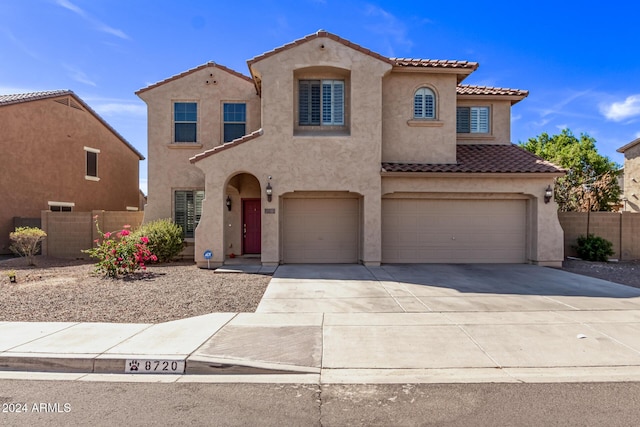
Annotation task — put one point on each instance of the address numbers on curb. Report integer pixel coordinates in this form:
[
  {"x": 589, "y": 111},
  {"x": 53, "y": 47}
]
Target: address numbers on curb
[{"x": 154, "y": 366}]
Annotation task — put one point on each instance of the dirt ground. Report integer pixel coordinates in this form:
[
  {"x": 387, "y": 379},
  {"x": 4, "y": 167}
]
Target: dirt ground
[{"x": 67, "y": 291}]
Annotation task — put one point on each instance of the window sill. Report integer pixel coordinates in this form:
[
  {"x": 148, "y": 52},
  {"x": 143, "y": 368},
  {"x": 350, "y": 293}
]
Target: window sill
[
  {"x": 187, "y": 145},
  {"x": 476, "y": 136},
  {"x": 321, "y": 133},
  {"x": 425, "y": 123},
  {"x": 91, "y": 178}
]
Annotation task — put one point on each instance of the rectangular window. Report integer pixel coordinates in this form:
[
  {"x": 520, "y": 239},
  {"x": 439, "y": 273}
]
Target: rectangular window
[
  {"x": 91, "y": 163},
  {"x": 321, "y": 102},
  {"x": 185, "y": 120},
  {"x": 188, "y": 210},
  {"x": 61, "y": 206},
  {"x": 472, "y": 120},
  {"x": 235, "y": 121}
]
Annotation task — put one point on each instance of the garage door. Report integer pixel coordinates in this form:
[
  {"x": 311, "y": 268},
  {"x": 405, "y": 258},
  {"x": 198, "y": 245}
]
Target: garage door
[
  {"x": 320, "y": 230},
  {"x": 453, "y": 231}
]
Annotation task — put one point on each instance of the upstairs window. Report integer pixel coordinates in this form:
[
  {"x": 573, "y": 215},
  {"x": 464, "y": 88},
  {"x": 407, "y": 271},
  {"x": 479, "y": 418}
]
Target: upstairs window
[
  {"x": 321, "y": 102},
  {"x": 91, "y": 164},
  {"x": 472, "y": 120},
  {"x": 185, "y": 119},
  {"x": 424, "y": 104},
  {"x": 188, "y": 210},
  {"x": 235, "y": 121}
]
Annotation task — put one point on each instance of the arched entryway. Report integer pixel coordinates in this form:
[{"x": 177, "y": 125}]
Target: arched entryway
[{"x": 243, "y": 220}]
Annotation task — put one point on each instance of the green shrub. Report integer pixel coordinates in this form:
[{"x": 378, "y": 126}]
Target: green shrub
[
  {"x": 25, "y": 241},
  {"x": 594, "y": 248},
  {"x": 165, "y": 238}
]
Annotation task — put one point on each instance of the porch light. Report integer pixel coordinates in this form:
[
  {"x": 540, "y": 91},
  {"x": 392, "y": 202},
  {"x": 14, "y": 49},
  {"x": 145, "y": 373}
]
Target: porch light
[
  {"x": 269, "y": 191},
  {"x": 548, "y": 194},
  {"x": 228, "y": 203}
]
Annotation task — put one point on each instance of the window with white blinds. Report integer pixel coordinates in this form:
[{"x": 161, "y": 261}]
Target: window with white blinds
[
  {"x": 472, "y": 120},
  {"x": 188, "y": 210},
  {"x": 321, "y": 102},
  {"x": 424, "y": 104}
]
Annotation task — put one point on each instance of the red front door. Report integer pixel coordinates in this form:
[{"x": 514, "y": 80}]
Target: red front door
[{"x": 251, "y": 230}]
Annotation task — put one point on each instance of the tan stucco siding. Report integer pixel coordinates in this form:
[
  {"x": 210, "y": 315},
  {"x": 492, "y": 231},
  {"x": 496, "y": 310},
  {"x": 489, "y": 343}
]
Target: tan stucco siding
[
  {"x": 499, "y": 121},
  {"x": 632, "y": 178},
  {"x": 307, "y": 162},
  {"x": 44, "y": 159},
  {"x": 418, "y": 141},
  {"x": 169, "y": 166}
]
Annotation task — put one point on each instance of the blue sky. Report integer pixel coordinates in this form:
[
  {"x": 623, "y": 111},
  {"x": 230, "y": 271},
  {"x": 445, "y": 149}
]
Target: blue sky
[{"x": 580, "y": 60}]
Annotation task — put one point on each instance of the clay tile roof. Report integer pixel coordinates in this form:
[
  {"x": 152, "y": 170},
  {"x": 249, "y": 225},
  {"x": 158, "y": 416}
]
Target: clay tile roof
[
  {"x": 225, "y": 146},
  {"x": 31, "y": 96},
  {"x": 481, "y": 158},
  {"x": 487, "y": 90},
  {"x": 319, "y": 33},
  {"x": 193, "y": 70},
  {"x": 35, "y": 96},
  {"x": 433, "y": 63}
]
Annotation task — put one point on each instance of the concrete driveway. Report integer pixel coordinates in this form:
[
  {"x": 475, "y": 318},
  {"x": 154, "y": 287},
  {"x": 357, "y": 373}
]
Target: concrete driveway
[
  {"x": 422, "y": 288},
  {"x": 468, "y": 323}
]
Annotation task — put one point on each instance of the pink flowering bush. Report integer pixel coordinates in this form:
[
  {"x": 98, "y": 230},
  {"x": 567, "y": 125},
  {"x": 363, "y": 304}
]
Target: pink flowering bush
[{"x": 120, "y": 253}]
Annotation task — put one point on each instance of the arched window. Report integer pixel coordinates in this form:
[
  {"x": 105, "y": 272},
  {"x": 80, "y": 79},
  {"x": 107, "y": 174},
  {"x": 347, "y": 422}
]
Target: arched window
[{"x": 424, "y": 104}]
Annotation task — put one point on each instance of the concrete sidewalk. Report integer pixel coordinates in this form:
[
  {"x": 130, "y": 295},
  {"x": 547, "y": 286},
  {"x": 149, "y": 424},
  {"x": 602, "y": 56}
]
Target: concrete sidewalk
[{"x": 358, "y": 325}]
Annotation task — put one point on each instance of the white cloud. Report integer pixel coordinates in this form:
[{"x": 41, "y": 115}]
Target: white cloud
[
  {"x": 562, "y": 126},
  {"x": 21, "y": 45},
  {"x": 79, "y": 75},
  {"x": 516, "y": 117},
  {"x": 100, "y": 26},
  {"x": 619, "y": 111},
  {"x": 116, "y": 108},
  {"x": 558, "y": 107},
  {"x": 388, "y": 25},
  {"x": 637, "y": 134}
]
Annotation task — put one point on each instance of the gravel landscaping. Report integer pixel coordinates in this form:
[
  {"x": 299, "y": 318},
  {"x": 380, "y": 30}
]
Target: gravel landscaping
[
  {"x": 59, "y": 290},
  {"x": 67, "y": 291}
]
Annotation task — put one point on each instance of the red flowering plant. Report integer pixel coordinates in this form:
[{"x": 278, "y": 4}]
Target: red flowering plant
[{"x": 120, "y": 253}]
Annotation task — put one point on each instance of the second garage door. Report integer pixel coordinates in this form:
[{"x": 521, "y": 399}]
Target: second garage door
[
  {"x": 320, "y": 230},
  {"x": 453, "y": 231}
]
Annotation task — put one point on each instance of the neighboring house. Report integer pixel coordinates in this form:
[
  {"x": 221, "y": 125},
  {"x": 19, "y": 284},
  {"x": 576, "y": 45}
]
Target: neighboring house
[
  {"x": 59, "y": 155},
  {"x": 630, "y": 178},
  {"x": 331, "y": 153}
]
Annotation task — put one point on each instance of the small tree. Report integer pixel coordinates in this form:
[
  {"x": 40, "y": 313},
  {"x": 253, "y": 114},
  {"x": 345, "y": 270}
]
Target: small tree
[
  {"x": 25, "y": 241},
  {"x": 591, "y": 181}
]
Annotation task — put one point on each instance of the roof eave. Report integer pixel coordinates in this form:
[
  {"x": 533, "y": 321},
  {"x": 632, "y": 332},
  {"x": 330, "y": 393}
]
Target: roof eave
[
  {"x": 628, "y": 146},
  {"x": 509, "y": 175}
]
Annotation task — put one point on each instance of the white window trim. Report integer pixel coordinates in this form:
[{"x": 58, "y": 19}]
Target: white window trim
[
  {"x": 132, "y": 208},
  {"x": 173, "y": 123},
  {"x": 61, "y": 204},
  {"x": 435, "y": 104},
  {"x": 89, "y": 177}
]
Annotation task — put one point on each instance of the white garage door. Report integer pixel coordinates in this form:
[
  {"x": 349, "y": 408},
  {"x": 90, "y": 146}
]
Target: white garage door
[
  {"x": 320, "y": 230},
  {"x": 453, "y": 231}
]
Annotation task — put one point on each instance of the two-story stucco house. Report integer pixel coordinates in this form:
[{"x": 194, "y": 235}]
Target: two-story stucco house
[
  {"x": 630, "y": 181},
  {"x": 59, "y": 155},
  {"x": 331, "y": 153}
]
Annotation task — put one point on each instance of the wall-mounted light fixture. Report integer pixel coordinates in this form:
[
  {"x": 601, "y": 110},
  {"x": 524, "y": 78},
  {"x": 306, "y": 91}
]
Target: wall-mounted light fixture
[
  {"x": 269, "y": 192},
  {"x": 228, "y": 203},
  {"x": 548, "y": 194}
]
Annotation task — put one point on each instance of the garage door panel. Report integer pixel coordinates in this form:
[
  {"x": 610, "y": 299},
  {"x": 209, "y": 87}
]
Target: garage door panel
[
  {"x": 453, "y": 231},
  {"x": 320, "y": 230}
]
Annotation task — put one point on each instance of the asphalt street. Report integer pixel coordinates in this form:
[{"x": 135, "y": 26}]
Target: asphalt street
[{"x": 71, "y": 403}]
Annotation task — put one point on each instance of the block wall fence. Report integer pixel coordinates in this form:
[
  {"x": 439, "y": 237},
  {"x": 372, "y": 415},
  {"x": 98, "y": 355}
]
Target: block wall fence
[
  {"x": 68, "y": 233},
  {"x": 620, "y": 228}
]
